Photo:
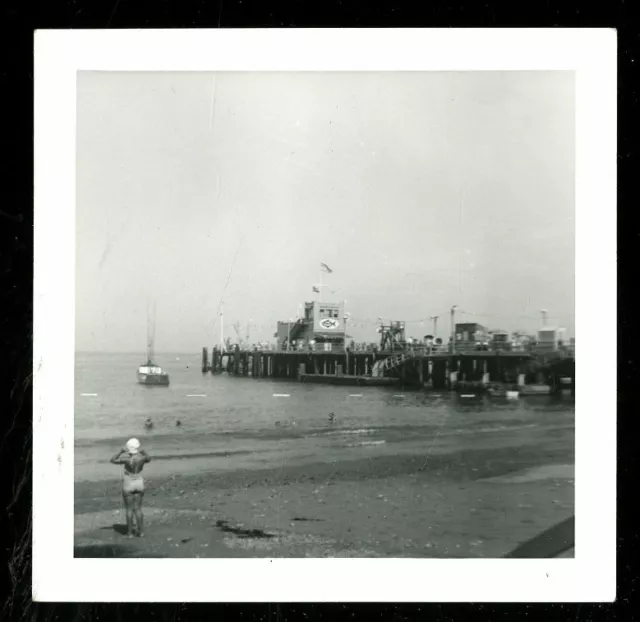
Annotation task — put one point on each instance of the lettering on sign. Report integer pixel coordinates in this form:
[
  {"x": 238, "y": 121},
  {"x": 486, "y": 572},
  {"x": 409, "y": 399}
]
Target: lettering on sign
[{"x": 329, "y": 323}]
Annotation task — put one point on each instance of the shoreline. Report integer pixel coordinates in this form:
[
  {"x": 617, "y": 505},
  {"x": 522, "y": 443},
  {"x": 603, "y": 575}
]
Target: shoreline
[{"x": 469, "y": 464}]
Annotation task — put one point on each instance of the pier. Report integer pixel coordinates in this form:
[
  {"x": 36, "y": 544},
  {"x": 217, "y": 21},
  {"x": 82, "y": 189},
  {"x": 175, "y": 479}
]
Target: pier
[
  {"x": 315, "y": 348},
  {"x": 413, "y": 367}
]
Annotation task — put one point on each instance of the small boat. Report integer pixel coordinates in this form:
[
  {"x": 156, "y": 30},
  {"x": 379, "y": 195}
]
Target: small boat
[{"x": 151, "y": 374}]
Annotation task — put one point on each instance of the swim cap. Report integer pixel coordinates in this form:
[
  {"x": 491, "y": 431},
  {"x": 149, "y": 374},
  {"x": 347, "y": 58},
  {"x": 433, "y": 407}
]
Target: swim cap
[{"x": 133, "y": 446}]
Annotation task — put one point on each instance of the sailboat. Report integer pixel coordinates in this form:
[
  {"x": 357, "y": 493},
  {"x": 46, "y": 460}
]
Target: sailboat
[{"x": 151, "y": 374}]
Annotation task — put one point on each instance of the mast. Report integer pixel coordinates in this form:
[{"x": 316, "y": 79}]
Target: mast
[
  {"x": 151, "y": 328},
  {"x": 221, "y": 306}
]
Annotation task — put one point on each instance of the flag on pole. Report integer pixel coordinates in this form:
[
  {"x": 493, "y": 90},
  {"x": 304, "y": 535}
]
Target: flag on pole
[
  {"x": 316, "y": 289},
  {"x": 325, "y": 268}
]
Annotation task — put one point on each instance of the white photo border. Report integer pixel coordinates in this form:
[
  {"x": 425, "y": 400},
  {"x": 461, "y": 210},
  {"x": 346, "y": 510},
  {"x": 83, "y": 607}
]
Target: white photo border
[{"x": 58, "y": 577}]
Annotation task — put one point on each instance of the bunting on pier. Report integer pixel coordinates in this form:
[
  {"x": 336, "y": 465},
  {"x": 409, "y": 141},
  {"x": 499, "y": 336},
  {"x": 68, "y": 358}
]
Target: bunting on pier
[
  {"x": 325, "y": 268},
  {"x": 316, "y": 289}
]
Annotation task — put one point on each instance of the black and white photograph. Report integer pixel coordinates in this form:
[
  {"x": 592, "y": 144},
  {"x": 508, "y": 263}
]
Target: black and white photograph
[{"x": 325, "y": 314}]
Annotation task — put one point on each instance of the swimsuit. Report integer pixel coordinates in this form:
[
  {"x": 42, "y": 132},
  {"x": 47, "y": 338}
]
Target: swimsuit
[{"x": 132, "y": 483}]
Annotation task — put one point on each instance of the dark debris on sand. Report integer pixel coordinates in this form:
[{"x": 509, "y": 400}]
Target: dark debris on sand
[{"x": 223, "y": 525}]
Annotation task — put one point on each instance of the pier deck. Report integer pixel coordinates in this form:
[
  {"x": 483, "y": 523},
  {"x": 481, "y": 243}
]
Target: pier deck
[{"x": 412, "y": 366}]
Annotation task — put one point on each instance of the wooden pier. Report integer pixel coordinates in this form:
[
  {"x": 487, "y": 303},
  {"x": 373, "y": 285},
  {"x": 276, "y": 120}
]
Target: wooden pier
[{"x": 420, "y": 368}]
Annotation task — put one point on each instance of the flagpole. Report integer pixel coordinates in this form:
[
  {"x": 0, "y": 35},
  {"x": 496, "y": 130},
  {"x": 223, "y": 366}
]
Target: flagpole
[
  {"x": 320, "y": 288},
  {"x": 346, "y": 351}
]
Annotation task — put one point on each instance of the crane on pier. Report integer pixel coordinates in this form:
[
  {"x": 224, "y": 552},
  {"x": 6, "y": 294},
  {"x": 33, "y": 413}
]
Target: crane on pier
[{"x": 392, "y": 336}]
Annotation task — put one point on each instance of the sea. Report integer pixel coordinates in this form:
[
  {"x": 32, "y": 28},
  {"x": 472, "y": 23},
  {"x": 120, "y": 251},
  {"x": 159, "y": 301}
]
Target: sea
[{"x": 229, "y": 422}]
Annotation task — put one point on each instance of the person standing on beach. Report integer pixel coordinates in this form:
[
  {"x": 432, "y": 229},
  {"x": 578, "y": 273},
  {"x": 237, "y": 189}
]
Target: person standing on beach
[{"x": 133, "y": 457}]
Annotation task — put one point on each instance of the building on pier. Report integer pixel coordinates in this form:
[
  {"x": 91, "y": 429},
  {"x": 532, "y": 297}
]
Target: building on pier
[
  {"x": 322, "y": 328},
  {"x": 470, "y": 331},
  {"x": 501, "y": 340},
  {"x": 549, "y": 339},
  {"x": 470, "y": 336}
]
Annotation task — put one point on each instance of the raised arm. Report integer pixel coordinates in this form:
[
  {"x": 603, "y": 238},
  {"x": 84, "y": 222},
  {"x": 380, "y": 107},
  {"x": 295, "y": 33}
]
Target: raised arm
[
  {"x": 116, "y": 459},
  {"x": 145, "y": 455}
]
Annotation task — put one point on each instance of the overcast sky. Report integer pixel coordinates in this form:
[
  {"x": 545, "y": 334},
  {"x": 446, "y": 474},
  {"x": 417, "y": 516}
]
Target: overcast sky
[{"x": 419, "y": 190}]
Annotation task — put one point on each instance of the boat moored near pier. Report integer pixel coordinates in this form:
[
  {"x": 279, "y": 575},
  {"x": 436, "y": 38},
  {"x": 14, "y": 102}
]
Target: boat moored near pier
[{"x": 152, "y": 375}]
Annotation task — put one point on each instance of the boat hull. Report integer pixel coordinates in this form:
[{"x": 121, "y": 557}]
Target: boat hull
[
  {"x": 535, "y": 389},
  {"x": 154, "y": 380}
]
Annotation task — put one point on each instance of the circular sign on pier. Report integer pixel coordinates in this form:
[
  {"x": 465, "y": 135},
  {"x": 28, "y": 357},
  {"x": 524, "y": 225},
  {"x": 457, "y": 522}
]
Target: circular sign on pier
[{"x": 329, "y": 323}]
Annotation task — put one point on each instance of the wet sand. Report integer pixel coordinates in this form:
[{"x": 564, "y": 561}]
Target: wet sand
[{"x": 480, "y": 502}]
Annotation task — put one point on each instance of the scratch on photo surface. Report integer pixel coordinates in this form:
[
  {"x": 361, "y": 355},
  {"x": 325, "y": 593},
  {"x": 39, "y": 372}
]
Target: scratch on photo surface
[
  {"x": 115, "y": 8},
  {"x": 435, "y": 438},
  {"x": 105, "y": 253}
]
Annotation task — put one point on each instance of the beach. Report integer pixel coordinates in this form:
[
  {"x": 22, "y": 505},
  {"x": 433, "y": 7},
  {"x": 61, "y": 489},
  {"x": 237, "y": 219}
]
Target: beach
[
  {"x": 410, "y": 476},
  {"x": 370, "y": 508}
]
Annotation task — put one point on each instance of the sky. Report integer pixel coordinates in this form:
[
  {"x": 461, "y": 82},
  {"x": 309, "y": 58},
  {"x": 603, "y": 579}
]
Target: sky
[{"x": 420, "y": 190}]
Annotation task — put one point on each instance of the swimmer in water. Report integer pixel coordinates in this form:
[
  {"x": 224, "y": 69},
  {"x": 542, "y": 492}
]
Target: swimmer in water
[
  {"x": 178, "y": 423},
  {"x": 148, "y": 424},
  {"x": 332, "y": 417},
  {"x": 133, "y": 457}
]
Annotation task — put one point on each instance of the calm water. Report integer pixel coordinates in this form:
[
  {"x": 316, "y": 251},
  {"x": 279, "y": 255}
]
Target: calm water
[{"x": 230, "y": 423}]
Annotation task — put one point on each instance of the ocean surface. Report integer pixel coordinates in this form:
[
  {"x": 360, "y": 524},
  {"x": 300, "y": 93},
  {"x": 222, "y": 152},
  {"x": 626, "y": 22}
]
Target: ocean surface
[{"x": 232, "y": 423}]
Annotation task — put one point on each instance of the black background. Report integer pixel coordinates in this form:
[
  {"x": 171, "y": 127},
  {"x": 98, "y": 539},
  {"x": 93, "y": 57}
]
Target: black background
[{"x": 19, "y": 19}]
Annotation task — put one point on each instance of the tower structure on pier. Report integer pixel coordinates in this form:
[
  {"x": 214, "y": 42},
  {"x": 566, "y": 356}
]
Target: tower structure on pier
[{"x": 322, "y": 327}]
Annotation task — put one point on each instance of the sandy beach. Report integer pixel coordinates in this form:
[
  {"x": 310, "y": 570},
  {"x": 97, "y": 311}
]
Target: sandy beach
[{"x": 468, "y": 504}]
